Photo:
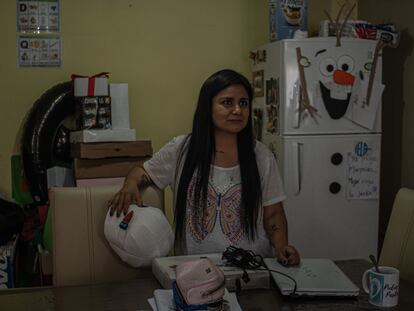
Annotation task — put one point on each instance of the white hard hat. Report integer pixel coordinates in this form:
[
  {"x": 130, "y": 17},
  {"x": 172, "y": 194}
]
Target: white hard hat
[{"x": 145, "y": 236}]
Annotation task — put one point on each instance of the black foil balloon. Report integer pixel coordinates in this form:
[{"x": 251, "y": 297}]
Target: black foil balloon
[{"x": 44, "y": 140}]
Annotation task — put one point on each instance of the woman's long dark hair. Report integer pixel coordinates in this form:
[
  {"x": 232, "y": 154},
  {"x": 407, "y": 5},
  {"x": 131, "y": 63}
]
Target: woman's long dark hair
[{"x": 199, "y": 150}]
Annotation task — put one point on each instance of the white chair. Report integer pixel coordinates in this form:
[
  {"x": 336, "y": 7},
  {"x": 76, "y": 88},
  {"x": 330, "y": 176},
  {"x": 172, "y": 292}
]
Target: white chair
[
  {"x": 398, "y": 247},
  {"x": 81, "y": 254}
]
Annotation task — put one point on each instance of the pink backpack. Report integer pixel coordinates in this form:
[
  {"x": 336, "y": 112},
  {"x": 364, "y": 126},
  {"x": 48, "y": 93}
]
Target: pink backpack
[{"x": 200, "y": 281}]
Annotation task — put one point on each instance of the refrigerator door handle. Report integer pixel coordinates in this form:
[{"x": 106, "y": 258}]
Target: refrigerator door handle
[
  {"x": 297, "y": 149},
  {"x": 295, "y": 103}
]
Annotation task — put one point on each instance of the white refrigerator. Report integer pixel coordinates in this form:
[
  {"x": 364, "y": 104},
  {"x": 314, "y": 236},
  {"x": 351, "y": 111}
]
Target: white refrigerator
[{"x": 313, "y": 110}]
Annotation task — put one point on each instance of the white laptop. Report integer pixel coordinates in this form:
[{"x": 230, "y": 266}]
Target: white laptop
[{"x": 314, "y": 277}]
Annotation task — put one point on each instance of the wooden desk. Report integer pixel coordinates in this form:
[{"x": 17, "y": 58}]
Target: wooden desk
[{"x": 133, "y": 295}]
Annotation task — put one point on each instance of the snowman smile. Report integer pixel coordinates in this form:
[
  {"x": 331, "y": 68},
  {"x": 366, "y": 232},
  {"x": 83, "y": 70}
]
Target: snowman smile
[{"x": 335, "y": 98}]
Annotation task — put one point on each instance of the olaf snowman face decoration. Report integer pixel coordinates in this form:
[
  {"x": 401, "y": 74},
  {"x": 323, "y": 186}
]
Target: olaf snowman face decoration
[
  {"x": 331, "y": 74},
  {"x": 336, "y": 81}
]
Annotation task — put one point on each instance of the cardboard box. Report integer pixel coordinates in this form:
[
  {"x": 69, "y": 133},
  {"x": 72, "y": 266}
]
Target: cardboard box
[
  {"x": 109, "y": 167},
  {"x": 90, "y": 86},
  {"x": 93, "y": 112},
  {"x": 95, "y": 136},
  {"x": 140, "y": 148},
  {"x": 286, "y": 17},
  {"x": 7, "y": 264}
]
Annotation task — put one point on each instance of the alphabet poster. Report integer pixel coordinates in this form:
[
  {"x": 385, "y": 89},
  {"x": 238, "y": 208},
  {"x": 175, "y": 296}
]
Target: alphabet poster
[
  {"x": 42, "y": 15},
  {"x": 39, "y": 51}
]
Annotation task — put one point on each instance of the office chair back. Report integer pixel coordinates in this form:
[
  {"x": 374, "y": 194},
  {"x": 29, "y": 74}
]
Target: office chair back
[
  {"x": 81, "y": 254},
  {"x": 398, "y": 247}
]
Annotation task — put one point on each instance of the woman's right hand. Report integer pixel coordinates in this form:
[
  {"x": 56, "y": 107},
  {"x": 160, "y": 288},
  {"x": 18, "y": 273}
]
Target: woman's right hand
[{"x": 129, "y": 194}]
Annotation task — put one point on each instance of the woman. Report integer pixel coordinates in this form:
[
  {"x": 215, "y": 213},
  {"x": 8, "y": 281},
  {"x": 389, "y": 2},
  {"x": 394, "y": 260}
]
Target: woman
[{"x": 227, "y": 186}]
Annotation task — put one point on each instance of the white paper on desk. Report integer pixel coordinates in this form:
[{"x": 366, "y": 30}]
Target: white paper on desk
[
  {"x": 359, "y": 111},
  {"x": 164, "y": 300},
  {"x": 119, "y": 105},
  {"x": 152, "y": 303}
]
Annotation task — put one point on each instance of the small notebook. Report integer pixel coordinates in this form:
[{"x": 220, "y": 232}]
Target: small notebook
[{"x": 314, "y": 277}]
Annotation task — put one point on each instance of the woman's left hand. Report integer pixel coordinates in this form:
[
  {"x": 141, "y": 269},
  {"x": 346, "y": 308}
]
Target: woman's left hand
[{"x": 288, "y": 255}]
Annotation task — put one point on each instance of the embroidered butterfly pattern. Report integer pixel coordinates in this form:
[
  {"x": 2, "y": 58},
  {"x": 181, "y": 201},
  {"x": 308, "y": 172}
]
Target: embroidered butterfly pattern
[{"x": 222, "y": 206}]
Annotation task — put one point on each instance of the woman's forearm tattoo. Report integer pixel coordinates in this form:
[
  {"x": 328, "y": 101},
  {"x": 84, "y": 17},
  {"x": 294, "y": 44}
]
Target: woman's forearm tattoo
[{"x": 271, "y": 228}]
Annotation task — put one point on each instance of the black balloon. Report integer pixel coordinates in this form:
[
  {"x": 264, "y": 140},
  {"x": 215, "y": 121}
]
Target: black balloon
[{"x": 45, "y": 139}]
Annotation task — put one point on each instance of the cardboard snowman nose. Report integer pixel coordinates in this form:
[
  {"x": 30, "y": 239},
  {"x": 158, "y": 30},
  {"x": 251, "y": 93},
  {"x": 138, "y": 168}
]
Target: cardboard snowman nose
[{"x": 140, "y": 236}]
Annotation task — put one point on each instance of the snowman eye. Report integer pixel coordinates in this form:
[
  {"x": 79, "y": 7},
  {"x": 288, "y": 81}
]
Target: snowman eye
[
  {"x": 304, "y": 61},
  {"x": 346, "y": 63},
  {"x": 368, "y": 66},
  {"x": 327, "y": 66}
]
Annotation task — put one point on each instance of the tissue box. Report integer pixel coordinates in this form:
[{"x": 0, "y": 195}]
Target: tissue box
[
  {"x": 7, "y": 264},
  {"x": 286, "y": 17},
  {"x": 96, "y": 85},
  {"x": 93, "y": 112}
]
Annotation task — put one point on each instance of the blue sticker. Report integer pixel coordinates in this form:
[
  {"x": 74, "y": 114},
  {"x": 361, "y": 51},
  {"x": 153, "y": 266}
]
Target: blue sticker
[
  {"x": 376, "y": 292},
  {"x": 123, "y": 226},
  {"x": 361, "y": 148}
]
